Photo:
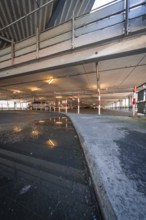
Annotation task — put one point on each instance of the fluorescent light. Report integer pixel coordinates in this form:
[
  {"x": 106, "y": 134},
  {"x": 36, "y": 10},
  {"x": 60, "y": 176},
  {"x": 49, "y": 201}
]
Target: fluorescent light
[
  {"x": 16, "y": 91},
  {"x": 49, "y": 81},
  {"x": 58, "y": 97},
  {"x": 59, "y": 122},
  {"x": 34, "y": 88}
]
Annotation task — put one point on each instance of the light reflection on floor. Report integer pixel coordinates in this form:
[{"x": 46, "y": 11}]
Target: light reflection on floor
[{"x": 43, "y": 173}]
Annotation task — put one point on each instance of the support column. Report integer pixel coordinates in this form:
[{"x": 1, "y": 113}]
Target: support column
[
  {"x": 78, "y": 105},
  {"x": 15, "y": 105},
  {"x": 121, "y": 104},
  {"x": 50, "y": 104},
  {"x": 130, "y": 103},
  {"x": 20, "y": 105},
  {"x": 45, "y": 106},
  {"x": 66, "y": 107},
  {"x": 134, "y": 102},
  {"x": 54, "y": 106},
  {"x": 58, "y": 105},
  {"x": 98, "y": 88},
  {"x": 99, "y": 107},
  {"x": 7, "y": 105}
]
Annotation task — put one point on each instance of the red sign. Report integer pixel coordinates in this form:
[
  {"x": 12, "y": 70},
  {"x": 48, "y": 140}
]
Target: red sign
[{"x": 134, "y": 101}]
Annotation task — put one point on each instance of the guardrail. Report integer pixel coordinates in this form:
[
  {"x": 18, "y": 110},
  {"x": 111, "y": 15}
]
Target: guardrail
[{"x": 119, "y": 18}]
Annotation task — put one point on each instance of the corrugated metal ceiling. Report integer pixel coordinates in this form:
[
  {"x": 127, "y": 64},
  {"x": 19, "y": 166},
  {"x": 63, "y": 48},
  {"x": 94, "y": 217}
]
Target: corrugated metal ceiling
[
  {"x": 11, "y": 10},
  {"x": 51, "y": 15}
]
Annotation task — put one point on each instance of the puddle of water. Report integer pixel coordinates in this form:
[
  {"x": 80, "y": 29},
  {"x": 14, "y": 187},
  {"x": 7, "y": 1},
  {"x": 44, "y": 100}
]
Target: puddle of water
[{"x": 43, "y": 173}]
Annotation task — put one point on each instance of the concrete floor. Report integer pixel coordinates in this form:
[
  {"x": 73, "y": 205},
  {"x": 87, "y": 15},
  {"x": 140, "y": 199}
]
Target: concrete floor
[
  {"x": 115, "y": 150},
  {"x": 32, "y": 167},
  {"x": 43, "y": 173}
]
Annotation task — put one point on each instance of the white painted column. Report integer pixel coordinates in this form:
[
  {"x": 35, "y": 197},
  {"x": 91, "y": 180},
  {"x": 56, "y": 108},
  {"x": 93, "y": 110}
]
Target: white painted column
[
  {"x": 15, "y": 105},
  {"x": 78, "y": 105},
  {"x": 7, "y": 105},
  {"x": 66, "y": 107},
  {"x": 58, "y": 105},
  {"x": 99, "y": 107},
  {"x": 98, "y": 88},
  {"x": 54, "y": 106},
  {"x": 134, "y": 102},
  {"x": 50, "y": 103}
]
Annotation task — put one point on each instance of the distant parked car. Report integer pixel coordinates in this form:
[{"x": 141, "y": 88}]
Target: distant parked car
[{"x": 38, "y": 105}]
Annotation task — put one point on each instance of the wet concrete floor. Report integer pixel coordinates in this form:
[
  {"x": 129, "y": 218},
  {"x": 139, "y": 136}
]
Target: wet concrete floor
[{"x": 43, "y": 173}]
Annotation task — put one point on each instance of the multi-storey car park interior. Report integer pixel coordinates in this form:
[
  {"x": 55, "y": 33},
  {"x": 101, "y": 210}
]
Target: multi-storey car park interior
[
  {"x": 59, "y": 57},
  {"x": 52, "y": 49}
]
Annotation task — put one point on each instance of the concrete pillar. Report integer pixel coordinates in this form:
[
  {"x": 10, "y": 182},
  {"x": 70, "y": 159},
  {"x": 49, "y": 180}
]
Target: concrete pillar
[
  {"x": 7, "y": 105},
  {"x": 54, "y": 106},
  {"x": 66, "y": 125},
  {"x": 134, "y": 102},
  {"x": 50, "y": 106},
  {"x": 66, "y": 106},
  {"x": 126, "y": 103},
  {"x": 78, "y": 105},
  {"x": 120, "y": 101},
  {"x": 118, "y": 105},
  {"x": 58, "y": 105},
  {"x": 98, "y": 89},
  {"x": 99, "y": 107},
  {"x": 15, "y": 106}
]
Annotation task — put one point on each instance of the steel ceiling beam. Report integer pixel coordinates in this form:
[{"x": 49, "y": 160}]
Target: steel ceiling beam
[
  {"x": 32, "y": 12},
  {"x": 5, "y": 39}
]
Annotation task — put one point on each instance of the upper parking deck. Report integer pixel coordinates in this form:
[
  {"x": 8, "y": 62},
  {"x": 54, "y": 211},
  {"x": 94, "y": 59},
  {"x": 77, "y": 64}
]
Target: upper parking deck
[{"x": 115, "y": 20}]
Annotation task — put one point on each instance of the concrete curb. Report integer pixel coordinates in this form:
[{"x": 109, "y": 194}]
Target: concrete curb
[{"x": 107, "y": 210}]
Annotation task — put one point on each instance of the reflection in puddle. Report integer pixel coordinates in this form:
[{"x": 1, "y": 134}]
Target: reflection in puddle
[
  {"x": 17, "y": 129},
  {"x": 51, "y": 143},
  {"x": 42, "y": 173},
  {"x": 35, "y": 133}
]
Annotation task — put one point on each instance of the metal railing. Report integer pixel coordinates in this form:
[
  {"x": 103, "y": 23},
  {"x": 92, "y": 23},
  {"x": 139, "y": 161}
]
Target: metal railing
[{"x": 117, "y": 19}]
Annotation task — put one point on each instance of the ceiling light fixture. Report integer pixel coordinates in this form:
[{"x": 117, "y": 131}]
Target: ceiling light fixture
[
  {"x": 49, "y": 81},
  {"x": 34, "y": 89},
  {"x": 58, "y": 97},
  {"x": 16, "y": 91}
]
